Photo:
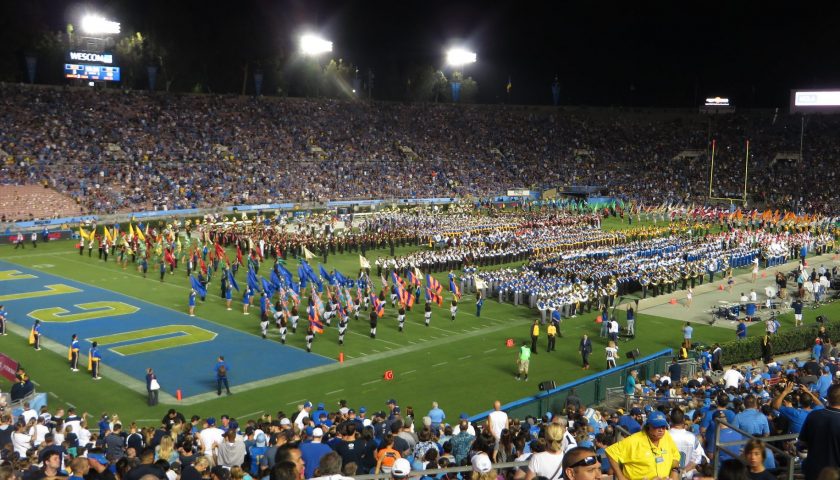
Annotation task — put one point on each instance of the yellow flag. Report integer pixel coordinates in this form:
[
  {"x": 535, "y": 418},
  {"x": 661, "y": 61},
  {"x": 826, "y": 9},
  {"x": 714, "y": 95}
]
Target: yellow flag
[
  {"x": 364, "y": 262},
  {"x": 83, "y": 234},
  {"x": 32, "y": 336},
  {"x": 131, "y": 233},
  {"x": 90, "y": 362},
  {"x": 108, "y": 235},
  {"x": 70, "y": 353},
  {"x": 307, "y": 254}
]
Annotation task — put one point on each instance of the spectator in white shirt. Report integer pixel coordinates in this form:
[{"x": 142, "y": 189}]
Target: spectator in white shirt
[
  {"x": 210, "y": 436},
  {"x": 498, "y": 420},
  {"x": 732, "y": 377}
]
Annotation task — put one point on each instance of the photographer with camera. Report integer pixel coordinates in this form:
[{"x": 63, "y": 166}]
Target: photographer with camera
[{"x": 794, "y": 403}]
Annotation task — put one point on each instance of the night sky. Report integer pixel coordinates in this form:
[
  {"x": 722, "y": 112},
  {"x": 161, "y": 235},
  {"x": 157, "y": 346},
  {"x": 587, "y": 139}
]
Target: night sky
[{"x": 603, "y": 53}]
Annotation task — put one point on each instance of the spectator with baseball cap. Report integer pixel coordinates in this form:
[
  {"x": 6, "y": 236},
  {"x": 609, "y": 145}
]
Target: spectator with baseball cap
[
  {"x": 312, "y": 451},
  {"x": 401, "y": 468},
  {"x": 392, "y": 408},
  {"x": 632, "y": 422},
  {"x": 259, "y": 455},
  {"x": 650, "y": 453},
  {"x": 482, "y": 468}
]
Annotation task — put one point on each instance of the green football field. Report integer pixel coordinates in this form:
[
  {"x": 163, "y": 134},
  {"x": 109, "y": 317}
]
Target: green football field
[{"x": 463, "y": 365}]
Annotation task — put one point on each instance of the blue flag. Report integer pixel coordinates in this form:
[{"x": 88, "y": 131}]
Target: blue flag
[
  {"x": 232, "y": 281},
  {"x": 252, "y": 280},
  {"x": 340, "y": 279},
  {"x": 267, "y": 288},
  {"x": 276, "y": 281},
  {"x": 196, "y": 285},
  {"x": 306, "y": 275},
  {"x": 304, "y": 278},
  {"x": 326, "y": 275},
  {"x": 287, "y": 275}
]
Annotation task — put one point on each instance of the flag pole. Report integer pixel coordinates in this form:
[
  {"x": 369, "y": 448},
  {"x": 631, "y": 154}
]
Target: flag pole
[
  {"x": 746, "y": 171},
  {"x": 712, "y": 170}
]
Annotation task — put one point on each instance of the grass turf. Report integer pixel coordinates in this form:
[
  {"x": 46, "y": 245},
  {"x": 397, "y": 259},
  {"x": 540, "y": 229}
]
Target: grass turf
[{"x": 464, "y": 365}]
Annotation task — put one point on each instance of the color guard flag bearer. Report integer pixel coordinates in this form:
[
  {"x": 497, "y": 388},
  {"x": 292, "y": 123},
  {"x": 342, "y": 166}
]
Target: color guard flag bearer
[
  {"x": 73, "y": 353},
  {"x": 94, "y": 358},
  {"x": 35, "y": 335}
]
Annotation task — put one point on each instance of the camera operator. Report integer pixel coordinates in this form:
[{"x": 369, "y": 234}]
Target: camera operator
[{"x": 798, "y": 402}]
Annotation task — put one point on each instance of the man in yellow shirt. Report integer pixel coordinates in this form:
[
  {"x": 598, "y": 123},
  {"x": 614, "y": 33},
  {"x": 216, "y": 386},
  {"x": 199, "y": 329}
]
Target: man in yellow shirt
[
  {"x": 535, "y": 335},
  {"x": 551, "y": 331},
  {"x": 648, "y": 454}
]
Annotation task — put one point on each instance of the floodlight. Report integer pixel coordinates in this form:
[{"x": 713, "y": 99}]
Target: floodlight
[
  {"x": 97, "y": 24},
  {"x": 457, "y": 57},
  {"x": 314, "y": 45}
]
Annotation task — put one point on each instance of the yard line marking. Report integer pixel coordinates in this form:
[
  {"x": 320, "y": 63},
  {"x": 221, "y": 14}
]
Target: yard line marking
[
  {"x": 372, "y": 382},
  {"x": 409, "y": 371},
  {"x": 378, "y": 340},
  {"x": 412, "y": 342},
  {"x": 491, "y": 350},
  {"x": 375, "y": 351},
  {"x": 249, "y": 414},
  {"x": 334, "y": 391},
  {"x": 295, "y": 401},
  {"x": 439, "y": 364},
  {"x": 464, "y": 358}
]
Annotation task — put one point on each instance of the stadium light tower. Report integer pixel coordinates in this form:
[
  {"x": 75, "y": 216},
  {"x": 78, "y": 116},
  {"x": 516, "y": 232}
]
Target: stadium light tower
[
  {"x": 313, "y": 45},
  {"x": 97, "y": 25},
  {"x": 458, "y": 57}
]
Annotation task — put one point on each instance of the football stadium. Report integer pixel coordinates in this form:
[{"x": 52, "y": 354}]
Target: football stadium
[{"x": 294, "y": 271}]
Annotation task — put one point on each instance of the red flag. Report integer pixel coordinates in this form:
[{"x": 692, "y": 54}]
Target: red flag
[
  {"x": 169, "y": 258},
  {"x": 202, "y": 265},
  {"x": 239, "y": 255},
  {"x": 220, "y": 251}
]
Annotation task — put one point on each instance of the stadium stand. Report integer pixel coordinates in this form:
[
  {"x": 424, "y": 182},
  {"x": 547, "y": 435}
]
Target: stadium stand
[
  {"x": 28, "y": 202},
  {"x": 123, "y": 150}
]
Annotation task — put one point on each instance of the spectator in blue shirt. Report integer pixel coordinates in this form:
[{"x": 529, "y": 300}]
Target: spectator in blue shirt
[
  {"x": 633, "y": 421},
  {"x": 821, "y": 387},
  {"x": 707, "y": 426},
  {"x": 751, "y": 420},
  {"x": 741, "y": 331},
  {"x": 795, "y": 415},
  {"x": 437, "y": 416},
  {"x": 727, "y": 435}
]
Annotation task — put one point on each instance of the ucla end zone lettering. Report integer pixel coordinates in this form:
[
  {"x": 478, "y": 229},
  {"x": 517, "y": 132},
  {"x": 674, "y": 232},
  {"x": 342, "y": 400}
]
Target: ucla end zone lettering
[{"x": 134, "y": 335}]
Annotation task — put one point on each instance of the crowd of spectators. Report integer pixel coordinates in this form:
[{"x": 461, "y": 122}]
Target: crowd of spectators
[
  {"x": 341, "y": 442},
  {"x": 115, "y": 150}
]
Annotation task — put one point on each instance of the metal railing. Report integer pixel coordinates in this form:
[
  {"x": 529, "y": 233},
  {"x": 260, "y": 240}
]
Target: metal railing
[
  {"x": 591, "y": 390},
  {"x": 722, "y": 446},
  {"x": 437, "y": 471}
]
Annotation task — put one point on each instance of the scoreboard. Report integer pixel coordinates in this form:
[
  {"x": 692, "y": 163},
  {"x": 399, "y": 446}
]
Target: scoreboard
[{"x": 92, "y": 72}]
